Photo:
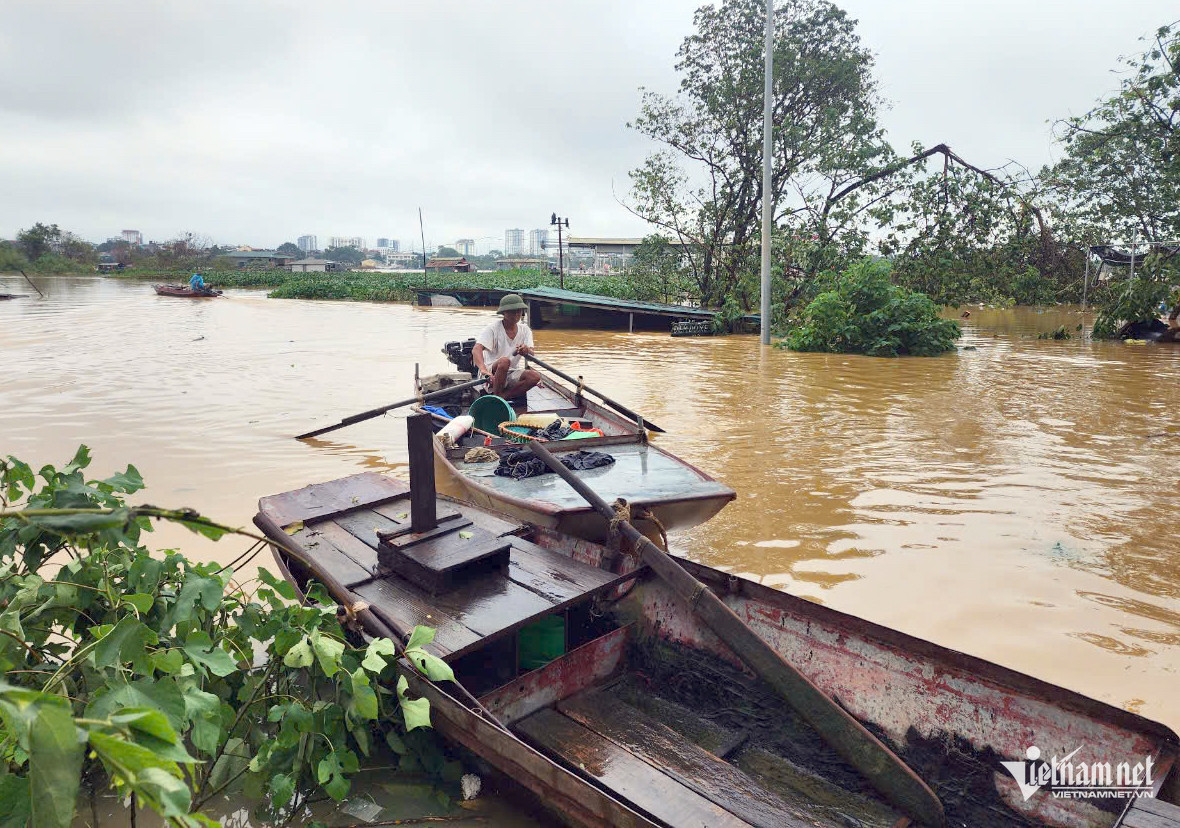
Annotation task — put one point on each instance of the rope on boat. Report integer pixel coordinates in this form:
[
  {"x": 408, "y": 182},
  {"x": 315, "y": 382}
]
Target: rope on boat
[
  {"x": 647, "y": 514},
  {"x": 481, "y": 454}
]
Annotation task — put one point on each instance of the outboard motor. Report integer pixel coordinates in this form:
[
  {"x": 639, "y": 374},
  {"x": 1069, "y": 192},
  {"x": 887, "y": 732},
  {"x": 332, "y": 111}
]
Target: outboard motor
[{"x": 459, "y": 355}]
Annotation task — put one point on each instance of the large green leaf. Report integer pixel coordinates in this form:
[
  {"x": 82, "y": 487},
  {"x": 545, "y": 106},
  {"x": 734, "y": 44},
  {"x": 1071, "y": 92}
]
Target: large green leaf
[
  {"x": 127, "y": 641},
  {"x": 363, "y": 704},
  {"x": 431, "y": 665},
  {"x": 300, "y": 655},
  {"x": 420, "y": 637},
  {"x": 328, "y": 651},
  {"x": 374, "y": 660},
  {"x": 81, "y": 523},
  {"x": 160, "y": 694},
  {"x": 201, "y": 649},
  {"x": 55, "y": 766},
  {"x": 15, "y": 805},
  {"x": 128, "y": 482}
]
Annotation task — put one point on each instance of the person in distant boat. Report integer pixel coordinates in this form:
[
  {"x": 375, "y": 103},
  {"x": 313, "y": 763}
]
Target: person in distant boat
[
  {"x": 197, "y": 283},
  {"x": 500, "y": 350}
]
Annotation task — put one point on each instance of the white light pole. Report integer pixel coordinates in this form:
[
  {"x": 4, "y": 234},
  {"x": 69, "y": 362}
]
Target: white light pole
[{"x": 767, "y": 152}]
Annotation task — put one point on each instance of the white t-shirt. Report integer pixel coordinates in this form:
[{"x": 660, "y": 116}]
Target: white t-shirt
[{"x": 496, "y": 343}]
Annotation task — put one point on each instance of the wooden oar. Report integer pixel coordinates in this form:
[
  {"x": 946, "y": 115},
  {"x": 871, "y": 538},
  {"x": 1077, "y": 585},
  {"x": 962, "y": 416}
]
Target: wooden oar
[
  {"x": 892, "y": 778},
  {"x": 619, "y": 407},
  {"x": 30, "y": 281},
  {"x": 377, "y": 412}
]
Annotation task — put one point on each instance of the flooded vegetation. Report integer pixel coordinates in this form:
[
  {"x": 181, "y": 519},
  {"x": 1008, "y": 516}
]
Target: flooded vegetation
[{"x": 1011, "y": 500}]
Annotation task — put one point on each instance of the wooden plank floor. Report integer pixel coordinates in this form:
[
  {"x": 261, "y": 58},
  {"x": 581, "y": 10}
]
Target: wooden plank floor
[
  {"x": 1151, "y": 813},
  {"x": 624, "y": 774},
  {"x": 339, "y": 537}
]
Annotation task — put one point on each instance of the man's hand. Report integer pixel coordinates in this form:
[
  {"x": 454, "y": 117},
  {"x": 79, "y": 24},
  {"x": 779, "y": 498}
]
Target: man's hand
[{"x": 523, "y": 349}]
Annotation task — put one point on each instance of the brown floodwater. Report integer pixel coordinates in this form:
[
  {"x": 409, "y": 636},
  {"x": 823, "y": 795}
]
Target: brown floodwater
[{"x": 1014, "y": 500}]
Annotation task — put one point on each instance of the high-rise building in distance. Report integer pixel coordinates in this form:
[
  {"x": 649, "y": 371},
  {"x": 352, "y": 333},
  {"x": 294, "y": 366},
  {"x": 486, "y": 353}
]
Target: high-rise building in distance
[
  {"x": 466, "y": 247},
  {"x": 306, "y": 243},
  {"x": 538, "y": 240},
  {"x": 384, "y": 242},
  {"x": 514, "y": 241},
  {"x": 347, "y": 241},
  {"x": 132, "y": 236}
]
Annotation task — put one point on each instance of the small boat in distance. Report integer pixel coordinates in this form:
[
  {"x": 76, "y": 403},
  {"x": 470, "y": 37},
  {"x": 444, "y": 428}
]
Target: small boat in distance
[
  {"x": 185, "y": 292},
  {"x": 596, "y": 686}
]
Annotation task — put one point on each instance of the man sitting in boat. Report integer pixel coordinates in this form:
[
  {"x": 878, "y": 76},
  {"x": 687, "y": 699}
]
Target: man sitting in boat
[
  {"x": 197, "y": 283},
  {"x": 500, "y": 350}
]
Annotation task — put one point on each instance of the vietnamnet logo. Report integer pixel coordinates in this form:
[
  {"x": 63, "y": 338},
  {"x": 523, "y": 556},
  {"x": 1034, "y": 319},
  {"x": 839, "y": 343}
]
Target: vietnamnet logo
[{"x": 1067, "y": 779}]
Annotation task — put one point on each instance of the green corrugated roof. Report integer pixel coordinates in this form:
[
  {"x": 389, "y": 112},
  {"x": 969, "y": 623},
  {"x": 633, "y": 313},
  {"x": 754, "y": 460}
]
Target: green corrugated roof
[{"x": 553, "y": 294}]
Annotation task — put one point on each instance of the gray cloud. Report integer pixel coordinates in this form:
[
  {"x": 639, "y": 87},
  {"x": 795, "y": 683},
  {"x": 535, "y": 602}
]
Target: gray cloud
[{"x": 256, "y": 122}]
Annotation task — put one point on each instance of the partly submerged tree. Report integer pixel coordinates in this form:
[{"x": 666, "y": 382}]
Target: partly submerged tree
[
  {"x": 862, "y": 312},
  {"x": 1120, "y": 176},
  {"x": 704, "y": 186}
]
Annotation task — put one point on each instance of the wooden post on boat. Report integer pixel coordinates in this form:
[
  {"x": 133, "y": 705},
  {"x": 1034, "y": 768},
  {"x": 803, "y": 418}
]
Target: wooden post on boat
[{"x": 422, "y": 492}]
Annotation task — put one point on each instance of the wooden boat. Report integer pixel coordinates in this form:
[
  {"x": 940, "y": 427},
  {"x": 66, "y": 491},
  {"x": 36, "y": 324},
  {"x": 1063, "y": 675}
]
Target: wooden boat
[
  {"x": 185, "y": 291},
  {"x": 678, "y": 494},
  {"x": 645, "y": 718}
]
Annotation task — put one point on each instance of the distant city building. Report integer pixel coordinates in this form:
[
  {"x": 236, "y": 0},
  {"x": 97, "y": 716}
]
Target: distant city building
[
  {"x": 466, "y": 246},
  {"x": 347, "y": 241},
  {"x": 514, "y": 241},
  {"x": 255, "y": 259},
  {"x": 396, "y": 258},
  {"x": 538, "y": 241},
  {"x": 132, "y": 237},
  {"x": 388, "y": 244},
  {"x": 306, "y": 243}
]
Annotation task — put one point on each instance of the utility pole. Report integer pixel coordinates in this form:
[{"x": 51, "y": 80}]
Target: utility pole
[
  {"x": 422, "y": 231},
  {"x": 767, "y": 153},
  {"x": 555, "y": 220}
]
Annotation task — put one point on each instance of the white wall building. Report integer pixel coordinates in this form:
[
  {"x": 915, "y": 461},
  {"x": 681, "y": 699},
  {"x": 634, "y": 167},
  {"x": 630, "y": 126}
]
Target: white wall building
[
  {"x": 347, "y": 241},
  {"x": 306, "y": 243},
  {"x": 538, "y": 240},
  {"x": 514, "y": 242}
]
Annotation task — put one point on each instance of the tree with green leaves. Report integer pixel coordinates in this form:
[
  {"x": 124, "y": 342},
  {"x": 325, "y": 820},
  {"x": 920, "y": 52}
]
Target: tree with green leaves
[
  {"x": 38, "y": 240},
  {"x": 289, "y": 249},
  {"x": 345, "y": 255},
  {"x": 162, "y": 679},
  {"x": 703, "y": 187},
  {"x": 1120, "y": 177}
]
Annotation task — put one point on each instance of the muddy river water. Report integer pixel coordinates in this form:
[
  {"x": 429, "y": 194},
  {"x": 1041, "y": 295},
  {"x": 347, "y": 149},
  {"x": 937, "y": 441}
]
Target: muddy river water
[{"x": 1016, "y": 500}]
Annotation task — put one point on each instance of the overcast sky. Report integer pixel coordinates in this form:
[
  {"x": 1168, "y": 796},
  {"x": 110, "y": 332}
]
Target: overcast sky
[{"x": 253, "y": 122}]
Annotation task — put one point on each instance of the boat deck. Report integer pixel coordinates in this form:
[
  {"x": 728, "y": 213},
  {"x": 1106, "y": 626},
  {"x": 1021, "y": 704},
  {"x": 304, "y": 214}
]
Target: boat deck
[
  {"x": 1151, "y": 813},
  {"x": 333, "y": 527},
  {"x": 684, "y": 769},
  {"x": 640, "y": 473}
]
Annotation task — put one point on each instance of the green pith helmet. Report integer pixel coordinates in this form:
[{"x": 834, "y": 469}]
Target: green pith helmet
[{"x": 511, "y": 302}]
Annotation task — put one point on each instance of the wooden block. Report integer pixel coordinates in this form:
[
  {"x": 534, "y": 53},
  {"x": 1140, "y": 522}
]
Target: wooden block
[
  {"x": 1151, "y": 813},
  {"x": 441, "y": 559}
]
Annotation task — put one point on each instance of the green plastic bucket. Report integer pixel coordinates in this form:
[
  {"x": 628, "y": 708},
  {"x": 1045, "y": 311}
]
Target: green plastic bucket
[
  {"x": 489, "y": 411},
  {"x": 541, "y": 642}
]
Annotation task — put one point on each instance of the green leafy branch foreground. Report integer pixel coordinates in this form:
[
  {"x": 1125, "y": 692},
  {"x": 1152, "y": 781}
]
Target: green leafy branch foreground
[{"x": 161, "y": 678}]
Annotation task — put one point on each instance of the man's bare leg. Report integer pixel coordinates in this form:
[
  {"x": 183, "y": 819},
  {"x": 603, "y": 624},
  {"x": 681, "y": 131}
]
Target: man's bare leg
[{"x": 527, "y": 380}]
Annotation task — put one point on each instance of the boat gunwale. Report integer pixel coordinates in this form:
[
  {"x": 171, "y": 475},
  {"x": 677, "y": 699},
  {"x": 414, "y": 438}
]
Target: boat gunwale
[{"x": 933, "y": 653}]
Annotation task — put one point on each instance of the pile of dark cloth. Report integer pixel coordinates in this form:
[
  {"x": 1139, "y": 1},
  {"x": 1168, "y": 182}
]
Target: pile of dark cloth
[
  {"x": 521, "y": 463},
  {"x": 556, "y": 430}
]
